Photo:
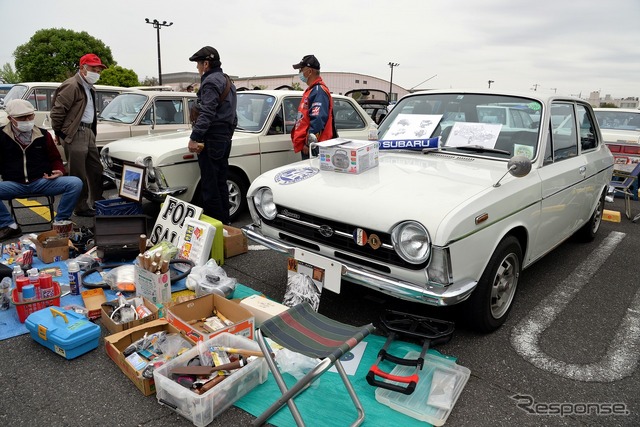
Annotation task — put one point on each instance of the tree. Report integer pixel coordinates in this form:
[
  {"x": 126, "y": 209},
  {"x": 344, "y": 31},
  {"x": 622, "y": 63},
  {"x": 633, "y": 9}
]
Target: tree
[
  {"x": 296, "y": 86},
  {"x": 150, "y": 81},
  {"x": 118, "y": 76},
  {"x": 608, "y": 105},
  {"x": 8, "y": 75},
  {"x": 53, "y": 55}
]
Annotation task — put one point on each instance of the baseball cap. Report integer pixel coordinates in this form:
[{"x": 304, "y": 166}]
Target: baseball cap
[
  {"x": 19, "y": 108},
  {"x": 92, "y": 60},
  {"x": 207, "y": 53},
  {"x": 308, "y": 61}
]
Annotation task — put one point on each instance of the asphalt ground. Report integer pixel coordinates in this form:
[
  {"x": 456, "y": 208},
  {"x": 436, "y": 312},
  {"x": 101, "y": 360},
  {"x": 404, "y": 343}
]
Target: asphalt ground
[{"x": 567, "y": 356}]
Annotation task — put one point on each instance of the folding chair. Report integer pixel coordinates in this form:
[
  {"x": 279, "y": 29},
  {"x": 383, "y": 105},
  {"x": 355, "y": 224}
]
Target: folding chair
[
  {"x": 302, "y": 330},
  {"x": 14, "y": 205},
  {"x": 623, "y": 183}
]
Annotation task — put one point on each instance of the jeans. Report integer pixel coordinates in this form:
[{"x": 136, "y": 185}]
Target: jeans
[
  {"x": 69, "y": 186},
  {"x": 214, "y": 169}
]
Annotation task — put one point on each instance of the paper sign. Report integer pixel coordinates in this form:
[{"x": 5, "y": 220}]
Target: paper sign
[
  {"x": 171, "y": 219},
  {"x": 412, "y": 126},
  {"x": 481, "y": 134}
]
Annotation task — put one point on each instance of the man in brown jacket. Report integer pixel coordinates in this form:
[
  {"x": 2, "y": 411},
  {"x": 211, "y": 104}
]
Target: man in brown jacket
[{"x": 74, "y": 121}]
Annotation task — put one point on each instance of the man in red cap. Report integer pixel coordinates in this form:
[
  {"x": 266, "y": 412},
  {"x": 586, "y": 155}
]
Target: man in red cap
[
  {"x": 74, "y": 121},
  {"x": 315, "y": 112}
]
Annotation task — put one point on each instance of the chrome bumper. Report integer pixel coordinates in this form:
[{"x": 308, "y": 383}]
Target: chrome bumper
[{"x": 431, "y": 294}]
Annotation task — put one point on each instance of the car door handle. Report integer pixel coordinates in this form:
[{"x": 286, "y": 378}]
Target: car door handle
[{"x": 582, "y": 170}]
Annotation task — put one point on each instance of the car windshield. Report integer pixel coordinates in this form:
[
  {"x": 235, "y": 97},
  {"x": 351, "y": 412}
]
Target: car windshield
[
  {"x": 124, "y": 108},
  {"x": 488, "y": 125},
  {"x": 620, "y": 120},
  {"x": 16, "y": 92},
  {"x": 253, "y": 109}
]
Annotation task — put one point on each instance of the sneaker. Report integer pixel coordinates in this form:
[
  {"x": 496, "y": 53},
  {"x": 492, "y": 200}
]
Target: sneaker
[
  {"x": 9, "y": 233},
  {"x": 86, "y": 212}
]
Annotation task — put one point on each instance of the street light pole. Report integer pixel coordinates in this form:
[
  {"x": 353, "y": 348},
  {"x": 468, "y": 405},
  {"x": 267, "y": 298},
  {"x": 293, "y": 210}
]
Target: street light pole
[
  {"x": 157, "y": 24},
  {"x": 391, "y": 64},
  {"x": 490, "y": 81}
]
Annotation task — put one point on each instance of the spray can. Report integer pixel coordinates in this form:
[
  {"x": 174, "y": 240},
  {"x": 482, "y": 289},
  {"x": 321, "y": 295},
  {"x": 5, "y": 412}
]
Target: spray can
[
  {"x": 34, "y": 279},
  {"x": 75, "y": 280},
  {"x": 46, "y": 286},
  {"x": 21, "y": 282},
  {"x": 17, "y": 272}
]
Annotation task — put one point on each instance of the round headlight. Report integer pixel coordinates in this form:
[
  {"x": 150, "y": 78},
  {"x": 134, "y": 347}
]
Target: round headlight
[
  {"x": 412, "y": 242},
  {"x": 263, "y": 200},
  {"x": 148, "y": 163}
]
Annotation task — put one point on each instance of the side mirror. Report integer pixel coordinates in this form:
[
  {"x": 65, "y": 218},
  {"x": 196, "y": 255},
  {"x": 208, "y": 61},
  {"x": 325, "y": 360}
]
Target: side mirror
[{"x": 517, "y": 166}]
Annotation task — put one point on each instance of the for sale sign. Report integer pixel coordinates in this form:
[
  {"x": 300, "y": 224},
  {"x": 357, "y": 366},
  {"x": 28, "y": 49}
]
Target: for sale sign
[{"x": 171, "y": 219}]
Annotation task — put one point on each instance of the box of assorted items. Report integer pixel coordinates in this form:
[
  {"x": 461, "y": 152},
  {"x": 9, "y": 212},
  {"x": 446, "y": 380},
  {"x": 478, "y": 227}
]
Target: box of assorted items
[
  {"x": 122, "y": 313},
  {"x": 152, "y": 274},
  {"x": 142, "y": 349},
  {"x": 51, "y": 247},
  {"x": 349, "y": 156},
  {"x": 64, "y": 332},
  {"x": 209, "y": 315},
  {"x": 200, "y": 385}
]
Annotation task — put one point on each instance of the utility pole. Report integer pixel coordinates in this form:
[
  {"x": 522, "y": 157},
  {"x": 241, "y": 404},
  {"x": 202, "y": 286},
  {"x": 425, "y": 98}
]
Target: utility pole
[
  {"x": 391, "y": 64},
  {"x": 490, "y": 81},
  {"x": 535, "y": 87},
  {"x": 157, "y": 24},
  {"x": 554, "y": 89}
]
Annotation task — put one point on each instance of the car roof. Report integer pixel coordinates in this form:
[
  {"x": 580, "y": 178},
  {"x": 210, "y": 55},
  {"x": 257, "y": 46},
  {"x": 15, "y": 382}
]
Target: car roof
[
  {"x": 618, "y": 110},
  {"x": 537, "y": 95},
  {"x": 56, "y": 84},
  {"x": 281, "y": 92}
]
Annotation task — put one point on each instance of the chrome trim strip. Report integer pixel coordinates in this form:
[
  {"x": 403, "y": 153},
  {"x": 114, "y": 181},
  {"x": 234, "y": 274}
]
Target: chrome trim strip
[{"x": 432, "y": 295}]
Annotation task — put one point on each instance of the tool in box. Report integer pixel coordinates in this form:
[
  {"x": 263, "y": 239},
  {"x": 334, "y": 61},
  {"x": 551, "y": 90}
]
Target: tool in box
[{"x": 431, "y": 331}]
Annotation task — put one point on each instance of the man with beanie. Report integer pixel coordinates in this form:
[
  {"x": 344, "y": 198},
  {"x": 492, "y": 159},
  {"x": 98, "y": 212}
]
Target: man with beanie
[
  {"x": 212, "y": 132},
  {"x": 30, "y": 164},
  {"x": 315, "y": 112},
  {"x": 74, "y": 121}
]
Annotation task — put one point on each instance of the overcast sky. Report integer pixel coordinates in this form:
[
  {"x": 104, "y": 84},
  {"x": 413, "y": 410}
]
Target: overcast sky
[{"x": 573, "y": 47}]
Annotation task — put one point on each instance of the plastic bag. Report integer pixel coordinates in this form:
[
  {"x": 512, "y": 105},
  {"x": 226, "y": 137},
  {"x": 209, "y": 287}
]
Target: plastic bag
[
  {"x": 167, "y": 250},
  {"x": 296, "y": 364},
  {"x": 210, "y": 279},
  {"x": 123, "y": 275},
  {"x": 300, "y": 288}
]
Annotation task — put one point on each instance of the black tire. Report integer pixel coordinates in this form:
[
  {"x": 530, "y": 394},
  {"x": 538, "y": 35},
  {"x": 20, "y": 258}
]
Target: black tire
[
  {"x": 588, "y": 231},
  {"x": 492, "y": 300},
  {"x": 237, "y": 195}
]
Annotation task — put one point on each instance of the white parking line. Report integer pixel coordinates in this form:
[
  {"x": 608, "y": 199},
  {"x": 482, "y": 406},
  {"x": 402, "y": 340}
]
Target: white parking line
[{"x": 621, "y": 358}]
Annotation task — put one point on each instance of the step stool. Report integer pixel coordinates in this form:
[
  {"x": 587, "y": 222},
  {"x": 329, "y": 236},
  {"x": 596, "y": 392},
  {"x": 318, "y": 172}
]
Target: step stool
[{"x": 14, "y": 206}]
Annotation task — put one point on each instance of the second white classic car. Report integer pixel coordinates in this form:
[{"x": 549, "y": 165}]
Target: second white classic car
[
  {"x": 456, "y": 207},
  {"x": 262, "y": 141}
]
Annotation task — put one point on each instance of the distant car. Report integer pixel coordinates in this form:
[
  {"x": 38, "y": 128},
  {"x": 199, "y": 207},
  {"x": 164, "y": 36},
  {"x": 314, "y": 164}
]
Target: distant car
[
  {"x": 40, "y": 95},
  {"x": 620, "y": 129},
  {"x": 456, "y": 208},
  {"x": 373, "y": 101},
  {"x": 144, "y": 113},
  {"x": 261, "y": 142}
]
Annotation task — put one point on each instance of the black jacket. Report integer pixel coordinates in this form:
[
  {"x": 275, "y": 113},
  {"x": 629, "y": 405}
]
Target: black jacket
[{"x": 30, "y": 163}]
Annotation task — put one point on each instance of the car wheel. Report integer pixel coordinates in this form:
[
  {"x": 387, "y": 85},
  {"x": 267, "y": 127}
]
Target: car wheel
[
  {"x": 492, "y": 299},
  {"x": 588, "y": 231},
  {"x": 237, "y": 195}
]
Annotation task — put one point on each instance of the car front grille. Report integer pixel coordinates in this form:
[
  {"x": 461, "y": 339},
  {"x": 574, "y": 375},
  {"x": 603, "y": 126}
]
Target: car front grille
[
  {"x": 309, "y": 231},
  {"x": 117, "y": 167}
]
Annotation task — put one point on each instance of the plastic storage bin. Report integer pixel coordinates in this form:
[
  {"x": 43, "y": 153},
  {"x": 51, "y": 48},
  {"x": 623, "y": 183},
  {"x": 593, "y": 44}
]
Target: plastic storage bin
[
  {"x": 117, "y": 207},
  {"x": 416, "y": 405},
  {"x": 201, "y": 409},
  {"x": 25, "y": 308}
]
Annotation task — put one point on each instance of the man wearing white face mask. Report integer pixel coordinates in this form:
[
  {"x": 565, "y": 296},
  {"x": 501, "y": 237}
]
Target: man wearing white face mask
[
  {"x": 30, "y": 164},
  {"x": 74, "y": 121},
  {"x": 315, "y": 112}
]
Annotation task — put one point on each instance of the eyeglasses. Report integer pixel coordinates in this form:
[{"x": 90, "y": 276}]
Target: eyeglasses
[{"x": 25, "y": 118}]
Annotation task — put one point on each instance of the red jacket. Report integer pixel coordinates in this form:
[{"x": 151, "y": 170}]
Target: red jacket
[{"x": 315, "y": 115}]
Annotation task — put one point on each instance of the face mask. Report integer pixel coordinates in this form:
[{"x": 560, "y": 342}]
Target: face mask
[
  {"x": 302, "y": 77},
  {"x": 92, "y": 77},
  {"x": 25, "y": 126}
]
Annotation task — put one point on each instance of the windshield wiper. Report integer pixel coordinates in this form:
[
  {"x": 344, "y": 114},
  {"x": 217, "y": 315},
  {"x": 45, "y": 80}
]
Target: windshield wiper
[
  {"x": 112, "y": 118},
  {"x": 481, "y": 149}
]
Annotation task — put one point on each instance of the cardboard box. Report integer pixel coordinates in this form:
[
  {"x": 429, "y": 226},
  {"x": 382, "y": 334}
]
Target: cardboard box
[
  {"x": 93, "y": 300},
  {"x": 262, "y": 308},
  {"x": 235, "y": 242},
  {"x": 115, "y": 344},
  {"x": 348, "y": 156},
  {"x": 154, "y": 287},
  {"x": 53, "y": 250},
  {"x": 113, "y": 327},
  {"x": 188, "y": 316}
]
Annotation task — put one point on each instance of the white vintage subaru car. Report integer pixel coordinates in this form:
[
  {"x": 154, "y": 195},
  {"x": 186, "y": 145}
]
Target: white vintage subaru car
[
  {"x": 462, "y": 200},
  {"x": 262, "y": 141}
]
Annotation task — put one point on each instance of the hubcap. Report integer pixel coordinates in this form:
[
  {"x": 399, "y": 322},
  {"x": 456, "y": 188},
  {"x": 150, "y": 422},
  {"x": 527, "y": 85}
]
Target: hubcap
[
  {"x": 234, "y": 197},
  {"x": 504, "y": 286}
]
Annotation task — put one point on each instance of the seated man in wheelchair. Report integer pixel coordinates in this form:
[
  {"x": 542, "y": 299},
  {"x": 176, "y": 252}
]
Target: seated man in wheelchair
[{"x": 30, "y": 164}]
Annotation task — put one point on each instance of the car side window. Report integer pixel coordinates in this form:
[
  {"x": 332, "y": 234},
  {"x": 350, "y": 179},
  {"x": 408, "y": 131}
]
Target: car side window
[
  {"x": 103, "y": 98},
  {"x": 277, "y": 125},
  {"x": 346, "y": 116},
  {"x": 563, "y": 131},
  {"x": 588, "y": 139},
  {"x": 41, "y": 99},
  {"x": 290, "y": 112},
  {"x": 167, "y": 113}
]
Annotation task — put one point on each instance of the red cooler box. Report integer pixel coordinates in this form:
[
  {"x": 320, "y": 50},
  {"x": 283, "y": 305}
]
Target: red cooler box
[{"x": 64, "y": 332}]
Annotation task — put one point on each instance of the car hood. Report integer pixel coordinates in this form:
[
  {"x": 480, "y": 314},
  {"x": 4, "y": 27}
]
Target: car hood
[
  {"x": 427, "y": 188},
  {"x": 162, "y": 148}
]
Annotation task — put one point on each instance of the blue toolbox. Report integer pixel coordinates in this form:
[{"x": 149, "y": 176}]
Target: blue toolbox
[{"x": 65, "y": 332}]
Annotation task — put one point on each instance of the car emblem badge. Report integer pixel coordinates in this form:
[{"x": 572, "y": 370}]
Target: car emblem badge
[
  {"x": 326, "y": 231},
  {"x": 360, "y": 237},
  {"x": 374, "y": 241}
]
